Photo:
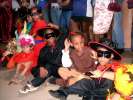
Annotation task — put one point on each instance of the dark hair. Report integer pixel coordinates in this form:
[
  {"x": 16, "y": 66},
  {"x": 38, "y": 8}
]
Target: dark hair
[
  {"x": 109, "y": 43},
  {"x": 39, "y": 12},
  {"x": 37, "y": 9}
]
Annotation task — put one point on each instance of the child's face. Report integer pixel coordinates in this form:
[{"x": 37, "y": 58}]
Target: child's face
[
  {"x": 51, "y": 40},
  {"x": 35, "y": 14},
  {"x": 26, "y": 49},
  {"x": 78, "y": 43},
  {"x": 104, "y": 56}
]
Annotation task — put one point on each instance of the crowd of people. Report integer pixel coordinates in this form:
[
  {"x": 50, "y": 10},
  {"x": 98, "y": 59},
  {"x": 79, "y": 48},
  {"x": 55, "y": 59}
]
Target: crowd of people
[{"x": 73, "y": 43}]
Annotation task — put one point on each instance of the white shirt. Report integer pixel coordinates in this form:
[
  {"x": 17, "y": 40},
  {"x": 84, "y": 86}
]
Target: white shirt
[{"x": 66, "y": 60}]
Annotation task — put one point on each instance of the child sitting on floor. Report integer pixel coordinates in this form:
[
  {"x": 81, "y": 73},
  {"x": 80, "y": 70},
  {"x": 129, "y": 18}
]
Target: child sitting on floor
[{"x": 23, "y": 60}]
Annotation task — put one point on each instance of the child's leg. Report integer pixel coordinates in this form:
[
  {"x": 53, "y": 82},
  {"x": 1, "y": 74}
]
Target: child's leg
[
  {"x": 27, "y": 66},
  {"x": 18, "y": 70},
  {"x": 65, "y": 73},
  {"x": 72, "y": 76},
  {"x": 15, "y": 80}
]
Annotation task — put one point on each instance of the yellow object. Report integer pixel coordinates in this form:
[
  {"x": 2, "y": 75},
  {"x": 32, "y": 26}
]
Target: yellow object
[
  {"x": 123, "y": 82},
  {"x": 25, "y": 28}
]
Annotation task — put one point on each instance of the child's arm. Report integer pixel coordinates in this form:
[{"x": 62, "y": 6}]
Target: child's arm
[
  {"x": 66, "y": 60},
  {"x": 6, "y": 53},
  {"x": 108, "y": 75}
]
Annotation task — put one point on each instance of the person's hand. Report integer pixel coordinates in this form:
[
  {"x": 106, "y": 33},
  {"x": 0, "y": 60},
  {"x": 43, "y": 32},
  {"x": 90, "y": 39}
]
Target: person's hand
[
  {"x": 81, "y": 76},
  {"x": 67, "y": 44},
  {"x": 96, "y": 74},
  {"x": 53, "y": 25},
  {"x": 43, "y": 72},
  {"x": 6, "y": 53},
  {"x": 94, "y": 54}
]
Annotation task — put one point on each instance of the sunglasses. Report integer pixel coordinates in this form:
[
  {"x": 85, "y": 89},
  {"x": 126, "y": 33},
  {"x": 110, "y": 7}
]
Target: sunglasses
[
  {"x": 106, "y": 54},
  {"x": 49, "y": 35},
  {"x": 34, "y": 14}
]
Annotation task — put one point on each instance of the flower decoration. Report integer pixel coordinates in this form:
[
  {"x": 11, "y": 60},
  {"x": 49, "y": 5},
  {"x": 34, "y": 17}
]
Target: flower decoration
[{"x": 25, "y": 40}]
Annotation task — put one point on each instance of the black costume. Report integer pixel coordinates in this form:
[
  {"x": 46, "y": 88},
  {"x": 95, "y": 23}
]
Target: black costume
[{"x": 50, "y": 59}]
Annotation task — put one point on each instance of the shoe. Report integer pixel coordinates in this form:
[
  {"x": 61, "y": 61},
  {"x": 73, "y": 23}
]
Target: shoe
[
  {"x": 14, "y": 81},
  {"x": 28, "y": 88},
  {"x": 52, "y": 80},
  {"x": 57, "y": 81},
  {"x": 58, "y": 94}
]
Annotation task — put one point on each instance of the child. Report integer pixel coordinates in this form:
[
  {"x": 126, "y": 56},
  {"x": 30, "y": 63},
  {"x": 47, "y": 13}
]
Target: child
[
  {"x": 23, "y": 60},
  {"x": 38, "y": 23},
  {"x": 102, "y": 77},
  {"x": 82, "y": 61}
]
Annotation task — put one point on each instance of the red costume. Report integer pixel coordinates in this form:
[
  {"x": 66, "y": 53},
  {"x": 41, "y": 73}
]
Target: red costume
[
  {"x": 39, "y": 24},
  {"x": 25, "y": 57}
]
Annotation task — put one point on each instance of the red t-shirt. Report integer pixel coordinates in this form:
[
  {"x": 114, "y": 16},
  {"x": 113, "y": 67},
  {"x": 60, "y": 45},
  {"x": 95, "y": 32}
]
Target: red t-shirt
[{"x": 39, "y": 24}]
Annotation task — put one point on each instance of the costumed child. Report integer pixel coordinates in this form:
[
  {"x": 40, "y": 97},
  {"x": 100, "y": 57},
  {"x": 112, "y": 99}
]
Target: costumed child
[
  {"x": 122, "y": 75},
  {"x": 38, "y": 23},
  {"x": 24, "y": 60},
  {"x": 12, "y": 47}
]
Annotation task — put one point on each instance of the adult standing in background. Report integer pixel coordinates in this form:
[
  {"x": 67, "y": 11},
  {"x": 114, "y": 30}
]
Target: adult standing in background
[
  {"x": 26, "y": 3},
  {"x": 66, "y": 11},
  {"x": 55, "y": 11},
  {"x": 117, "y": 32},
  {"x": 102, "y": 19},
  {"x": 5, "y": 20},
  {"x": 127, "y": 20},
  {"x": 44, "y": 6},
  {"x": 81, "y": 19},
  {"x": 15, "y": 5}
]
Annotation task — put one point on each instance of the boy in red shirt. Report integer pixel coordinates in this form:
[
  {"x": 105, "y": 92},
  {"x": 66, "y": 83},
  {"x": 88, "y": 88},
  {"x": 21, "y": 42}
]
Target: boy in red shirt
[{"x": 39, "y": 23}]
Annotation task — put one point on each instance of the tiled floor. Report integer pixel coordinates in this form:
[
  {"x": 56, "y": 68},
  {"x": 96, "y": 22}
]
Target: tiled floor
[{"x": 11, "y": 92}]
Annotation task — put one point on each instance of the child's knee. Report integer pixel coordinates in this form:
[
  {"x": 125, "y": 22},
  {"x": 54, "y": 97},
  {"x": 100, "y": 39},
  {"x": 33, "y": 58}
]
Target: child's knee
[{"x": 64, "y": 73}]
